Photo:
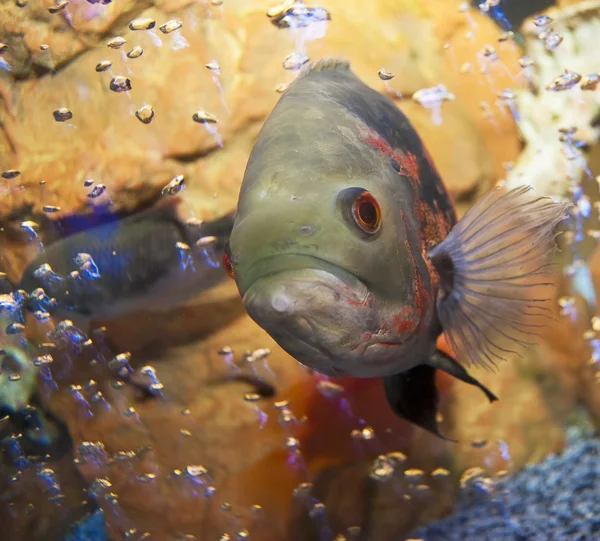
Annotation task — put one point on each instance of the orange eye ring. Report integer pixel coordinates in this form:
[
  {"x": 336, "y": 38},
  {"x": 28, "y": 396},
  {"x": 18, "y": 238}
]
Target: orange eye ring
[
  {"x": 228, "y": 266},
  {"x": 367, "y": 213}
]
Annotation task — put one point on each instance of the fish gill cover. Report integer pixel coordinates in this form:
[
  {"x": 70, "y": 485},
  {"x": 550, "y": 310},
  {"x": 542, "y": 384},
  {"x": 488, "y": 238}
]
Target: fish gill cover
[{"x": 169, "y": 415}]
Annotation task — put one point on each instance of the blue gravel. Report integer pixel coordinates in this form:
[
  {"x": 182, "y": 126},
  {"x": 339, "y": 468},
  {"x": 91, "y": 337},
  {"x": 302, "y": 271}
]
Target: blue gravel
[{"x": 555, "y": 500}]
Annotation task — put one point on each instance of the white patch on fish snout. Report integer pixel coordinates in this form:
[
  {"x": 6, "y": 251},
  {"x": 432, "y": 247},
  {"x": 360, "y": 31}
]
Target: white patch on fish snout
[{"x": 282, "y": 303}]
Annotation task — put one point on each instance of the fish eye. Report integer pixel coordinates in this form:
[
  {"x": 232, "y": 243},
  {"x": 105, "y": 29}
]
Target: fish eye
[
  {"x": 366, "y": 212},
  {"x": 228, "y": 266}
]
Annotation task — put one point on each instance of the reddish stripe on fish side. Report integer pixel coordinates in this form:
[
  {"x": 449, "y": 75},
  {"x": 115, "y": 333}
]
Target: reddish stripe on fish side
[
  {"x": 409, "y": 166},
  {"x": 420, "y": 291}
]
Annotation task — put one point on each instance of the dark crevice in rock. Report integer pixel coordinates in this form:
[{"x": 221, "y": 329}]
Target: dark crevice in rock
[{"x": 191, "y": 157}]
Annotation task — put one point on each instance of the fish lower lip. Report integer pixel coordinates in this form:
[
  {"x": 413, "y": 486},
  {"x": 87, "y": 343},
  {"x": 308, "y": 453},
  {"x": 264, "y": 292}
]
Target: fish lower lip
[{"x": 275, "y": 264}]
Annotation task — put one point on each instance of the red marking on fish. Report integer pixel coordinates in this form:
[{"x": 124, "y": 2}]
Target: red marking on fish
[
  {"x": 405, "y": 320},
  {"x": 407, "y": 161},
  {"x": 367, "y": 302},
  {"x": 421, "y": 293}
]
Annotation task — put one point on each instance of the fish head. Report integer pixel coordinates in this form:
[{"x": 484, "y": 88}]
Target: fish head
[{"x": 324, "y": 266}]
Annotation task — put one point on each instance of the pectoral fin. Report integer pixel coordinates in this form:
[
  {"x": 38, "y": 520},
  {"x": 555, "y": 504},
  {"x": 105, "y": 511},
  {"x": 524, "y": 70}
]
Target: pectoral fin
[
  {"x": 447, "y": 364},
  {"x": 414, "y": 397}
]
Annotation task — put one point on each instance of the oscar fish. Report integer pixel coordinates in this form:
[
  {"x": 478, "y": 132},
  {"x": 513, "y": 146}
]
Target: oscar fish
[{"x": 346, "y": 247}]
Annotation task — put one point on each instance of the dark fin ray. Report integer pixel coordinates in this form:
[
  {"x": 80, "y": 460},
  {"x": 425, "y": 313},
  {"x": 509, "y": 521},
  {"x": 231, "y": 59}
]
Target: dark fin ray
[
  {"x": 447, "y": 364},
  {"x": 494, "y": 263},
  {"x": 413, "y": 396}
]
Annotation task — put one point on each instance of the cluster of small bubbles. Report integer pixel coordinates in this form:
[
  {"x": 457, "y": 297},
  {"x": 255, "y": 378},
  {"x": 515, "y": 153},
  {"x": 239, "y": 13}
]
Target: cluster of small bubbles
[
  {"x": 475, "y": 479},
  {"x": 41, "y": 301},
  {"x": 329, "y": 389},
  {"x": 279, "y": 9},
  {"x": 45, "y": 274},
  {"x": 48, "y": 475},
  {"x": 506, "y": 95},
  {"x": 489, "y": 53},
  {"x": 295, "y": 61},
  {"x": 142, "y": 23},
  {"x": 31, "y": 228},
  {"x": 97, "y": 191},
  {"x": 590, "y": 82},
  {"x": 440, "y": 473},
  {"x": 185, "y": 255},
  {"x": 62, "y": 114},
  {"x": 146, "y": 477},
  {"x": 302, "y": 491},
  {"x": 146, "y": 378},
  {"x": 86, "y": 265},
  {"x": 526, "y": 62},
  {"x": 317, "y": 510},
  {"x": 542, "y": 21},
  {"x": 120, "y": 366},
  {"x": 384, "y": 466},
  {"x": 130, "y": 412},
  {"x": 257, "y": 355},
  {"x": 433, "y": 98},
  {"x": 170, "y": 26},
  {"x": 567, "y": 305},
  {"x": 206, "y": 241},
  {"x": 595, "y": 355},
  {"x": 565, "y": 81},
  {"x": 467, "y": 67},
  {"x": 65, "y": 333},
  {"x": 174, "y": 186},
  {"x": 103, "y": 65},
  {"x": 204, "y": 117},
  {"x": 58, "y": 7},
  {"x": 89, "y": 451},
  {"x": 42, "y": 360},
  {"x": 506, "y": 36},
  {"x": 297, "y": 15},
  {"x": 200, "y": 476},
  {"x": 120, "y": 83},
  {"x": 292, "y": 444},
  {"x": 551, "y": 38},
  {"x": 136, "y": 52},
  {"x": 488, "y": 4},
  {"x": 116, "y": 42},
  {"x": 414, "y": 475},
  {"x": 286, "y": 416},
  {"x": 367, "y": 433},
  {"x": 9, "y": 174},
  {"x": 15, "y": 328},
  {"x": 385, "y": 75}
]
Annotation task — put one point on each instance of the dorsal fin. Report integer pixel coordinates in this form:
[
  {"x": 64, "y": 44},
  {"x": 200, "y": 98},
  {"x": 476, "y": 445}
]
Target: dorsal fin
[{"x": 325, "y": 64}]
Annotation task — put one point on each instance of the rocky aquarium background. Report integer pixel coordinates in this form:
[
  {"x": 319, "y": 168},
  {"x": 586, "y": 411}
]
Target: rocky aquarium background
[{"x": 208, "y": 458}]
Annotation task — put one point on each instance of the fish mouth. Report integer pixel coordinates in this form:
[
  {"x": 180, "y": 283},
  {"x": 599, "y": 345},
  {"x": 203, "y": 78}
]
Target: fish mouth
[
  {"x": 314, "y": 309},
  {"x": 321, "y": 314}
]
